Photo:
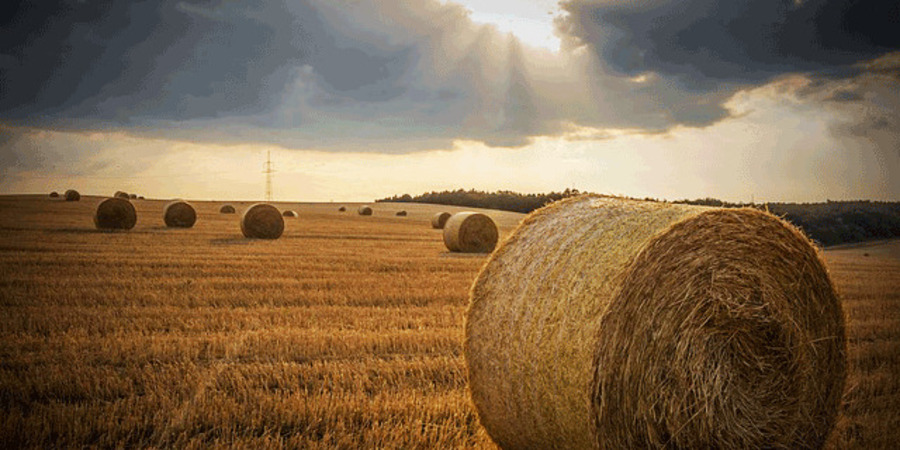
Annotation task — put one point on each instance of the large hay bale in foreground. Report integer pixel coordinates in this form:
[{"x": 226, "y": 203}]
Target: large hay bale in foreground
[
  {"x": 289, "y": 213},
  {"x": 364, "y": 210},
  {"x": 179, "y": 214},
  {"x": 262, "y": 221},
  {"x": 470, "y": 232},
  {"x": 121, "y": 194},
  {"x": 115, "y": 214},
  {"x": 439, "y": 220},
  {"x": 227, "y": 209},
  {"x": 54, "y": 194},
  {"x": 72, "y": 195},
  {"x": 623, "y": 324}
]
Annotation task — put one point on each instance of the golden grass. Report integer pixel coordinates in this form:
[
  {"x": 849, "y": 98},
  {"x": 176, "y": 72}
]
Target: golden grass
[{"x": 345, "y": 332}]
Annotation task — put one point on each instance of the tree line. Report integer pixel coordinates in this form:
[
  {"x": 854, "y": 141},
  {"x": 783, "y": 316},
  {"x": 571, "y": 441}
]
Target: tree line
[{"x": 828, "y": 223}]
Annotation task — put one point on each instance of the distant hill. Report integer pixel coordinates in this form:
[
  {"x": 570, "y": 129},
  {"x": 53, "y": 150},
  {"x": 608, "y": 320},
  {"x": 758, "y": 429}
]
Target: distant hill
[{"x": 829, "y": 223}]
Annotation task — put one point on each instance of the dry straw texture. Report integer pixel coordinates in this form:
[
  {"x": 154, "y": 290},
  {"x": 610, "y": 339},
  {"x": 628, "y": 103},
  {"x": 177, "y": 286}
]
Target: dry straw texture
[
  {"x": 54, "y": 194},
  {"x": 179, "y": 214},
  {"x": 227, "y": 209},
  {"x": 289, "y": 213},
  {"x": 609, "y": 323},
  {"x": 439, "y": 220},
  {"x": 470, "y": 232},
  {"x": 364, "y": 211},
  {"x": 120, "y": 194},
  {"x": 401, "y": 213},
  {"x": 115, "y": 214},
  {"x": 262, "y": 221},
  {"x": 72, "y": 195}
]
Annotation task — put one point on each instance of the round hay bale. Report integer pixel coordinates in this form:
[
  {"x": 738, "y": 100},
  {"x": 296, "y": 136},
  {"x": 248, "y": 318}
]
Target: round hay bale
[
  {"x": 227, "y": 209},
  {"x": 115, "y": 214},
  {"x": 121, "y": 194},
  {"x": 289, "y": 213},
  {"x": 401, "y": 213},
  {"x": 439, "y": 220},
  {"x": 470, "y": 232},
  {"x": 342, "y": 208},
  {"x": 179, "y": 214},
  {"x": 609, "y": 323},
  {"x": 262, "y": 221},
  {"x": 133, "y": 196},
  {"x": 140, "y": 197},
  {"x": 72, "y": 195},
  {"x": 364, "y": 210},
  {"x": 54, "y": 194}
]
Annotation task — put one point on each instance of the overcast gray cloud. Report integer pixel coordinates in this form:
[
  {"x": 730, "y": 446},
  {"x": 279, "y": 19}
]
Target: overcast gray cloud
[{"x": 396, "y": 76}]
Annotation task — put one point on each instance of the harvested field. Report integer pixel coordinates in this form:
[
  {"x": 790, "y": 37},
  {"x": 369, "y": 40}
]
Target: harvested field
[{"x": 345, "y": 332}]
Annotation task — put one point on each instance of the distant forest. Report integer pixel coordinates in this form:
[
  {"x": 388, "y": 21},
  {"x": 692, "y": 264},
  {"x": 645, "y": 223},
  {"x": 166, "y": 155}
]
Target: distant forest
[{"x": 829, "y": 223}]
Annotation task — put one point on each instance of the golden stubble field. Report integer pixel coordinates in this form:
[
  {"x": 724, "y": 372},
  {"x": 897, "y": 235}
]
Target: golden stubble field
[{"x": 346, "y": 332}]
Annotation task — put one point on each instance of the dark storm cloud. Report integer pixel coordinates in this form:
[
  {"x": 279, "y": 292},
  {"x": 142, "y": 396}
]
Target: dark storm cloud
[{"x": 703, "y": 43}]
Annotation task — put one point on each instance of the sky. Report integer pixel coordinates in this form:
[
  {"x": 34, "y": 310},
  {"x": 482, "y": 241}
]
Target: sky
[{"x": 770, "y": 100}]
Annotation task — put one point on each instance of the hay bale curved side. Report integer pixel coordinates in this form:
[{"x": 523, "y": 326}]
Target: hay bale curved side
[
  {"x": 72, "y": 195},
  {"x": 54, "y": 194},
  {"x": 440, "y": 219},
  {"x": 364, "y": 210},
  {"x": 401, "y": 213},
  {"x": 179, "y": 214},
  {"x": 623, "y": 324},
  {"x": 289, "y": 213},
  {"x": 121, "y": 194},
  {"x": 115, "y": 214},
  {"x": 262, "y": 221},
  {"x": 227, "y": 209},
  {"x": 470, "y": 232}
]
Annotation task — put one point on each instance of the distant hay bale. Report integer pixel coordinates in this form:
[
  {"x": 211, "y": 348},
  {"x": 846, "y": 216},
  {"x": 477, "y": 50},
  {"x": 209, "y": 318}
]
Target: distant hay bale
[
  {"x": 289, "y": 213},
  {"x": 227, "y": 209},
  {"x": 54, "y": 194},
  {"x": 115, "y": 214},
  {"x": 262, "y": 221},
  {"x": 342, "y": 208},
  {"x": 401, "y": 213},
  {"x": 439, "y": 220},
  {"x": 470, "y": 232},
  {"x": 133, "y": 196},
  {"x": 364, "y": 210},
  {"x": 121, "y": 194},
  {"x": 72, "y": 195},
  {"x": 140, "y": 197},
  {"x": 179, "y": 214},
  {"x": 608, "y": 323}
]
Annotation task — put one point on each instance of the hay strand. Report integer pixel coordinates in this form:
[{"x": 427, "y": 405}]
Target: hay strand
[
  {"x": 115, "y": 214},
  {"x": 610, "y": 323},
  {"x": 262, "y": 221},
  {"x": 470, "y": 232},
  {"x": 227, "y": 209},
  {"x": 364, "y": 210},
  {"x": 439, "y": 220},
  {"x": 179, "y": 214},
  {"x": 289, "y": 213},
  {"x": 72, "y": 195}
]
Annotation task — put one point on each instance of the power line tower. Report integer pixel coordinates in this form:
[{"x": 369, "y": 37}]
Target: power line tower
[{"x": 269, "y": 171}]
